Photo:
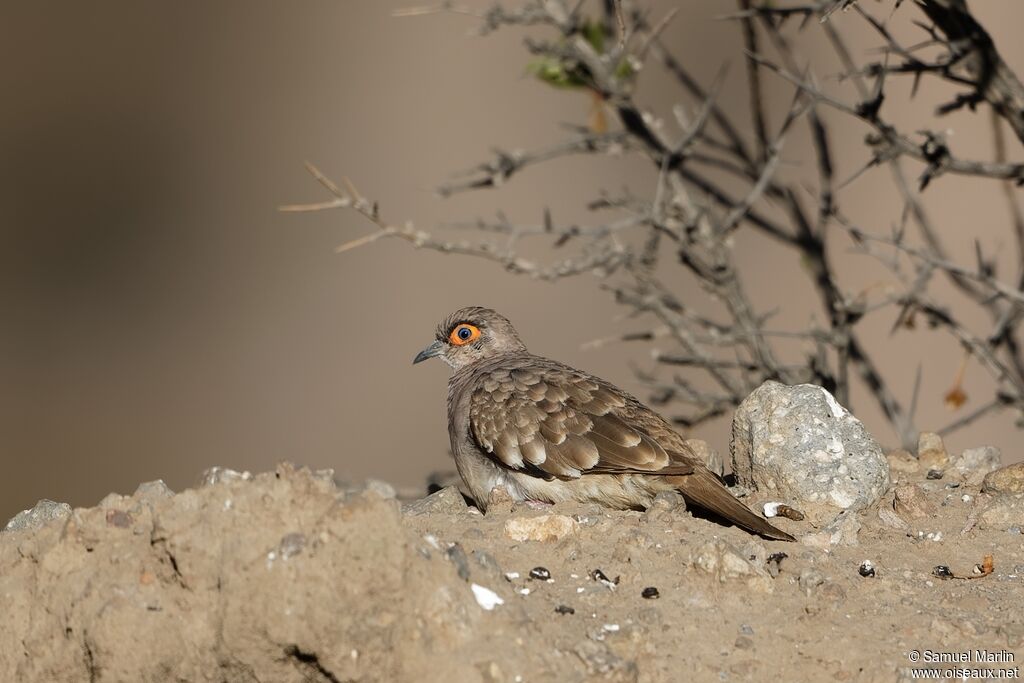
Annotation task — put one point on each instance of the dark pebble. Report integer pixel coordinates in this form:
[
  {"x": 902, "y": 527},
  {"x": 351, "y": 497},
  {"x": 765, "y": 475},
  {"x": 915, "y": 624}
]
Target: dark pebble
[
  {"x": 934, "y": 474},
  {"x": 790, "y": 513},
  {"x": 650, "y": 593},
  {"x": 540, "y": 573},
  {"x": 866, "y": 570},
  {"x": 564, "y": 609},
  {"x": 774, "y": 562},
  {"x": 457, "y": 556},
  {"x": 119, "y": 519},
  {"x": 942, "y": 571},
  {"x": 598, "y": 575}
]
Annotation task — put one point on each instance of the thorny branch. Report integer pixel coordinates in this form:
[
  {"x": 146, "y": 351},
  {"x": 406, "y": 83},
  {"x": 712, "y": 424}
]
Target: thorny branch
[{"x": 714, "y": 184}]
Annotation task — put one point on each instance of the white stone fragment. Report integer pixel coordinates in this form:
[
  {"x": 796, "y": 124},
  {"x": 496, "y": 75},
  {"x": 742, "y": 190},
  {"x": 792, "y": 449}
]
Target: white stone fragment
[{"x": 485, "y": 597}]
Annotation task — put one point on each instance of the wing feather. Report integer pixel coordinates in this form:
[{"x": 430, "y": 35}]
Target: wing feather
[{"x": 559, "y": 422}]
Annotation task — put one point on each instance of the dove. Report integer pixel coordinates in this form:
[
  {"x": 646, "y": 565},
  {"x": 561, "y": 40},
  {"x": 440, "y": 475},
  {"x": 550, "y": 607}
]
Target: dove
[{"x": 547, "y": 432}]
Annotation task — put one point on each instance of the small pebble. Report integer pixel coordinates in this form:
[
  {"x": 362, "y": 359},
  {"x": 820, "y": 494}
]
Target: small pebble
[
  {"x": 774, "y": 563},
  {"x": 746, "y": 629},
  {"x": 540, "y": 574},
  {"x": 564, "y": 609},
  {"x": 953, "y": 485},
  {"x": 934, "y": 474},
  {"x": 775, "y": 509},
  {"x": 650, "y": 593},
  {"x": 485, "y": 597},
  {"x": 866, "y": 569},
  {"x": 810, "y": 579},
  {"x": 457, "y": 556},
  {"x": 599, "y": 576},
  {"x": 942, "y": 571},
  {"x": 1014, "y": 530},
  {"x": 486, "y": 560}
]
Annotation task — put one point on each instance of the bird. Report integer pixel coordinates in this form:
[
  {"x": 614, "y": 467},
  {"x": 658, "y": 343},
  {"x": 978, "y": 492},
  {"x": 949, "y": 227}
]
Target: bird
[{"x": 549, "y": 433}]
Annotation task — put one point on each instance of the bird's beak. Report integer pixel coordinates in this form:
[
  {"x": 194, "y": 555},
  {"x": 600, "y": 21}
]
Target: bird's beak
[{"x": 435, "y": 349}]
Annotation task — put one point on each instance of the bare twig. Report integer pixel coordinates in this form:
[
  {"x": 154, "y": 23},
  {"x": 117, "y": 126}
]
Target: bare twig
[{"x": 715, "y": 182}]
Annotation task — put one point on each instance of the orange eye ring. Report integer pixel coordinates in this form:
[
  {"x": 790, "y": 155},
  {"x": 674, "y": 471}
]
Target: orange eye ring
[{"x": 463, "y": 334}]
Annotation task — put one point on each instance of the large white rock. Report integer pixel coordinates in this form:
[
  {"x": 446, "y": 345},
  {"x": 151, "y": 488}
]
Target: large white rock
[{"x": 798, "y": 443}]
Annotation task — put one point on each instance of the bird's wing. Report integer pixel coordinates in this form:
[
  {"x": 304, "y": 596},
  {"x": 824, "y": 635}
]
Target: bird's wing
[{"x": 554, "y": 421}]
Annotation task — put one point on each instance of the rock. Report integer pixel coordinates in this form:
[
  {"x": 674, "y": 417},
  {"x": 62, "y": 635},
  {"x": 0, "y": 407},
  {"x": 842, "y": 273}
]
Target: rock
[
  {"x": 501, "y": 498},
  {"x": 974, "y": 463},
  {"x": 291, "y": 545},
  {"x": 891, "y": 519},
  {"x": 542, "y": 528},
  {"x": 711, "y": 458},
  {"x": 457, "y": 556},
  {"x": 42, "y": 513},
  {"x": 1009, "y": 479},
  {"x": 931, "y": 452},
  {"x": 447, "y": 501},
  {"x": 1003, "y": 512},
  {"x": 485, "y": 597},
  {"x": 842, "y": 530},
  {"x": 902, "y": 461},
  {"x": 119, "y": 518},
  {"x": 773, "y": 564},
  {"x": 152, "y": 491},
  {"x": 798, "y": 443},
  {"x": 726, "y": 562},
  {"x": 910, "y": 501},
  {"x": 222, "y": 475}
]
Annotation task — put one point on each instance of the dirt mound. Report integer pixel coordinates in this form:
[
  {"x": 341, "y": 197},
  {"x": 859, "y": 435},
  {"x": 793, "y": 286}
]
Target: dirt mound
[{"x": 284, "y": 577}]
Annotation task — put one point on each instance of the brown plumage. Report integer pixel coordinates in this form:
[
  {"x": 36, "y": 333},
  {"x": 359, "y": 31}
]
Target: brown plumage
[{"x": 548, "y": 432}]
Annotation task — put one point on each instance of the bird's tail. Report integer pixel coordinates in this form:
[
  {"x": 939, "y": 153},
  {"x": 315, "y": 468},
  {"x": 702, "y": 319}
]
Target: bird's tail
[{"x": 704, "y": 489}]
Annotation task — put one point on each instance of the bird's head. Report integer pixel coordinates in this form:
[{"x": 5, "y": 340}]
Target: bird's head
[{"x": 470, "y": 335}]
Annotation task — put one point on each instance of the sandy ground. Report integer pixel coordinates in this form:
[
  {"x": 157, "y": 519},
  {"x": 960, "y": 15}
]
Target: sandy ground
[{"x": 285, "y": 577}]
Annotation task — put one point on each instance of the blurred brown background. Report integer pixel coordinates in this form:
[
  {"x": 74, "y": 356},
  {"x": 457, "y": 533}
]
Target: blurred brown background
[{"x": 159, "y": 316}]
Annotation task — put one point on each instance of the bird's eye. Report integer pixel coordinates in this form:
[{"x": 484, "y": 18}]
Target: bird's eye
[{"x": 463, "y": 334}]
